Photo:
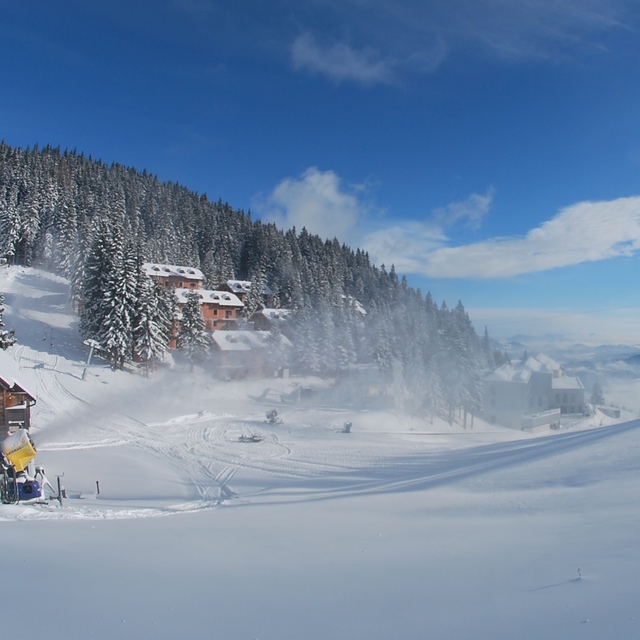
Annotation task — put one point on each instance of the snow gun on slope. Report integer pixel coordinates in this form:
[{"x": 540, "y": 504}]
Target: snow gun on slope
[{"x": 20, "y": 481}]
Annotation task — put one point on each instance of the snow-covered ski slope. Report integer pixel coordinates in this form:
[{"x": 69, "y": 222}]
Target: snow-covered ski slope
[{"x": 400, "y": 529}]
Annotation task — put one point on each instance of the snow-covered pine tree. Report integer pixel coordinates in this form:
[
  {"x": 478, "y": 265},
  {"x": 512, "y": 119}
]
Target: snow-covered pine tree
[
  {"x": 487, "y": 351},
  {"x": 7, "y": 338},
  {"x": 94, "y": 282},
  {"x": 9, "y": 222},
  {"x": 255, "y": 299},
  {"x": 151, "y": 327},
  {"x": 305, "y": 357},
  {"x": 277, "y": 352},
  {"x": 108, "y": 293},
  {"x": 346, "y": 356},
  {"x": 192, "y": 338},
  {"x": 463, "y": 362},
  {"x": 167, "y": 310},
  {"x": 432, "y": 394},
  {"x": 382, "y": 339},
  {"x": 116, "y": 330},
  {"x": 597, "y": 397}
]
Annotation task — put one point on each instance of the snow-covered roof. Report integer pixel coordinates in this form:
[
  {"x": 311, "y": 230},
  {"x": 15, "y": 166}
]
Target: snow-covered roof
[
  {"x": 244, "y": 286},
  {"x": 244, "y": 340},
  {"x": 156, "y": 270},
  {"x": 549, "y": 363},
  {"x": 522, "y": 371},
  {"x": 10, "y": 374},
  {"x": 566, "y": 382},
  {"x": 510, "y": 373},
  {"x": 222, "y": 298},
  {"x": 275, "y": 315},
  {"x": 535, "y": 364}
]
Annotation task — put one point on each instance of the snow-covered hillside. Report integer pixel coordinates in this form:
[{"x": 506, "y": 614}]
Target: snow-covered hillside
[{"x": 399, "y": 529}]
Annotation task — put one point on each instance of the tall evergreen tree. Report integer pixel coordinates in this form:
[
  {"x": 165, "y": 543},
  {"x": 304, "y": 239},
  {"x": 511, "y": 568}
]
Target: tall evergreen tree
[
  {"x": 255, "y": 299},
  {"x": 487, "y": 351},
  {"x": 116, "y": 330},
  {"x": 597, "y": 396},
  {"x": 108, "y": 294},
  {"x": 94, "y": 276},
  {"x": 7, "y": 338},
  {"x": 192, "y": 337},
  {"x": 151, "y": 326}
]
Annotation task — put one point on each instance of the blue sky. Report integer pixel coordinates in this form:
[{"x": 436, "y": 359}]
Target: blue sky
[{"x": 489, "y": 149}]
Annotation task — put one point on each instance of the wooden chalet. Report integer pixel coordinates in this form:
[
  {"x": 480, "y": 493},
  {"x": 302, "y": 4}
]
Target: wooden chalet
[
  {"x": 15, "y": 399},
  {"x": 219, "y": 308}
]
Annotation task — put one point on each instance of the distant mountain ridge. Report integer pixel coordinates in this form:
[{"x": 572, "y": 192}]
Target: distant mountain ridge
[{"x": 590, "y": 363}]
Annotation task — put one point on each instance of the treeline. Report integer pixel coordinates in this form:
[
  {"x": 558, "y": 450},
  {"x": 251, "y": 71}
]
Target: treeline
[{"x": 94, "y": 223}]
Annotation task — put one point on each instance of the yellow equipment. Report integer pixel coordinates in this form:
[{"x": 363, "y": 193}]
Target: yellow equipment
[{"x": 19, "y": 449}]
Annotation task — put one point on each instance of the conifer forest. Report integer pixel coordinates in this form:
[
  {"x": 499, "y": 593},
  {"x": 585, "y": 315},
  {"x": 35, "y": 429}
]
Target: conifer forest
[{"x": 95, "y": 224}]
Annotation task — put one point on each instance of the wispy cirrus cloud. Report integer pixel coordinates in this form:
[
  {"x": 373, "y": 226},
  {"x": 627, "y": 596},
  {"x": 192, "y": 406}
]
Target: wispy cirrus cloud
[
  {"x": 470, "y": 211},
  {"x": 583, "y": 232},
  {"x": 399, "y": 36},
  {"x": 340, "y": 62},
  {"x": 536, "y": 28}
]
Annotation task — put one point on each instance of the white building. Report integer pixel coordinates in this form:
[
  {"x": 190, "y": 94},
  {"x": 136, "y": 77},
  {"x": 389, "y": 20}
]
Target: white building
[{"x": 531, "y": 395}]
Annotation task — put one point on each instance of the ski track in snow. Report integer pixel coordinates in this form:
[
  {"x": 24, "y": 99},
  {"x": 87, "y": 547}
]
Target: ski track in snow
[
  {"x": 205, "y": 449},
  {"x": 211, "y": 460}
]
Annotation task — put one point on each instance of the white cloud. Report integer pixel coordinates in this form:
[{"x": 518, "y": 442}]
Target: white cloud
[
  {"x": 404, "y": 246},
  {"x": 340, "y": 62},
  {"x": 583, "y": 232},
  {"x": 416, "y": 36},
  {"x": 536, "y": 28},
  {"x": 316, "y": 200},
  {"x": 470, "y": 211}
]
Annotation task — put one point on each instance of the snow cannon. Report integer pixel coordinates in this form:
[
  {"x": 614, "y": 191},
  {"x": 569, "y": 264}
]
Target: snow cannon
[
  {"x": 17, "y": 484},
  {"x": 19, "y": 450}
]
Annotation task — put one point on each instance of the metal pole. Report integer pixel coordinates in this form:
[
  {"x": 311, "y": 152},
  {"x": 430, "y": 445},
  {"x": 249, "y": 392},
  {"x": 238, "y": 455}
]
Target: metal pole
[
  {"x": 59, "y": 496},
  {"x": 84, "y": 373}
]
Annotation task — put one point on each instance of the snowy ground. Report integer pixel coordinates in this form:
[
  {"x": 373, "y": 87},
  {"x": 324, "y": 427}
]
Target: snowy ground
[{"x": 400, "y": 529}]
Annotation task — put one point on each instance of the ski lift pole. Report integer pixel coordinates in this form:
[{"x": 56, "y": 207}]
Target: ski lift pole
[{"x": 92, "y": 344}]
